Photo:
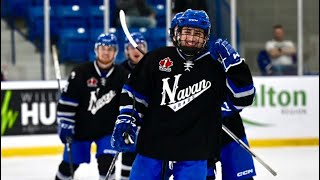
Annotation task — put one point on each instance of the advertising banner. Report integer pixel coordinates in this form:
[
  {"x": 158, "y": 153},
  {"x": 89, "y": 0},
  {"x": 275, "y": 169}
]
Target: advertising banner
[
  {"x": 284, "y": 107},
  {"x": 28, "y": 108}
]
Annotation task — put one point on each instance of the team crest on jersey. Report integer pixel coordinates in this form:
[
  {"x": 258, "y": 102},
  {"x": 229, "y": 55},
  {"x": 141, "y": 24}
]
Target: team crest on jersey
[
  {"x": 165, "y": 64},
  {"x": 92, "y": 82},
  {"x": 179, "y": 98}
]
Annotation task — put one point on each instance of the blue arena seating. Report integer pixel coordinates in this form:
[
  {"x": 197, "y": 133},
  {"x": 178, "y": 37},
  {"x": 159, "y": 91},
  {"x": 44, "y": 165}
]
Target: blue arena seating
[
  {"x": 35, "y": 23},
  {"x": 71, "y": 16},
  {"x": 160, "y": 15},
  {"x": 67, "y": 16},
  {"x": 14, "y": 8},
  {"x": 73, "y": 45}
]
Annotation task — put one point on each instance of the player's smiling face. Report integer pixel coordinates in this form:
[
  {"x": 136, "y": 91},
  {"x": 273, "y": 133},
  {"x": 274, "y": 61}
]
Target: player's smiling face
[
  {"x": 106, "y": 54},
  {"x": 192, "y": 37}
]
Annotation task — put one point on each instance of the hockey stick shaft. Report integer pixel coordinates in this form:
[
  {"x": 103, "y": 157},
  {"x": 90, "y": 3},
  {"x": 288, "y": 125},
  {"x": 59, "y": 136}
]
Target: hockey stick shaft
[
  {"x": 242, "y": 144},
  {"x": 56, "y": 66},
  {"x": 113, "y": 163},
  {"x": 58, "y": 77},
  {"x": 68, "y": 144},
  {"x": 127, "y": 138}
]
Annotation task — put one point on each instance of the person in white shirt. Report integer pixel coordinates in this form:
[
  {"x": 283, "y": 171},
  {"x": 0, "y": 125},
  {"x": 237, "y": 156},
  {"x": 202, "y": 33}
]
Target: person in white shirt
[{"x": 280, "y": 51}]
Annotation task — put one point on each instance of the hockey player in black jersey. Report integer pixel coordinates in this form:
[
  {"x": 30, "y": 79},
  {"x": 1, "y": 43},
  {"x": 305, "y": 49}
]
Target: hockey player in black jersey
[
  {"x": 229, "y": 148},
  {"x": 88, "y": 107},
  {"x": 133, "y": 58},
  {"x": 176, "y": 94},
  {"x": 234, "y": 159}
]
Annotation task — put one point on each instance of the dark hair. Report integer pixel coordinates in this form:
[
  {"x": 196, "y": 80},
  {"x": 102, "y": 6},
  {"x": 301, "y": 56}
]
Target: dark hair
[{"x": 278, "y": 26}]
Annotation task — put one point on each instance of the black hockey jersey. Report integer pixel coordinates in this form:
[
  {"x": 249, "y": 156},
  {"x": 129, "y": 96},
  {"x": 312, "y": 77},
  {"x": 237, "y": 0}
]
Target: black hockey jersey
[
  {"x": 178, "y": 103},
  {"x": 127, "y": 65},
  {"x": 91, "y": 99}
]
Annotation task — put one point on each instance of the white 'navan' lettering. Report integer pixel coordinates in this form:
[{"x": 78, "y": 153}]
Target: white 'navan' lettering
[
  {"x": 184, "y": 96},
  {"x": 95, "y": 105}
]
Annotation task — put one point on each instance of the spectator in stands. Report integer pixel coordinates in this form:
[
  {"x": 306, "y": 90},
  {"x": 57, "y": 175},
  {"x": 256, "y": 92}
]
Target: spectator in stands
[
  {"x": 282, "y": 53},
  {"x": 138, "y": 13}
]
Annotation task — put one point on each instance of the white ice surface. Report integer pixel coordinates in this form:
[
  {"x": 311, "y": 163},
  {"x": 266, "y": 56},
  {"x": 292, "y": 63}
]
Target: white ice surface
[{"x": 291, "y": 163}]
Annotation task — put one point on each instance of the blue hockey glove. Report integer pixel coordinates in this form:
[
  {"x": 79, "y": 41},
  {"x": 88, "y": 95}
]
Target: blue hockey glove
[
  {"x": 223, "y": 52},
  {"x": 65, "y": 130},
  {"x": 124, "y": 135}
]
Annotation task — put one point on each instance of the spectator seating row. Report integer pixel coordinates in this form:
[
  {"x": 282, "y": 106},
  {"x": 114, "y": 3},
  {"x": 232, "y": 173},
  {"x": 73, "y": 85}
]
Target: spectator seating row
[
  {"x": 77, "y": 44},
  {"x": 71, "y": 16},
  {"x": 75, "y": 25}
]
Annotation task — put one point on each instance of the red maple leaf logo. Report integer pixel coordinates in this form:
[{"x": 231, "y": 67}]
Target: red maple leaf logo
[
  {"x": 166, "y": 62},
  {"x": 92, "y": 82}
]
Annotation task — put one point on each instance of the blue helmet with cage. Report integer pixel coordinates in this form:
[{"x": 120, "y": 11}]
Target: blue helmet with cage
[
  {"x": 193, "y": 19},
  {"x": 174, "y": 23},
  {"x": 138, "y": 38},
  {"x": 106, "y": 39}
]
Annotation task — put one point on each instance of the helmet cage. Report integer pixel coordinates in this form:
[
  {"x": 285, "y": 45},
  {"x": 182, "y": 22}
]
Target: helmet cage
[{"x": 194, "y": 19}]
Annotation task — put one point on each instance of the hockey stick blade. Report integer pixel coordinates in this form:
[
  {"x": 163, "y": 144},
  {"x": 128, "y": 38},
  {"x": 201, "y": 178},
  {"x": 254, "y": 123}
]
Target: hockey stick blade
[
  {"x": 125, "y": 29},
  {"x": 242, "y": 144}
]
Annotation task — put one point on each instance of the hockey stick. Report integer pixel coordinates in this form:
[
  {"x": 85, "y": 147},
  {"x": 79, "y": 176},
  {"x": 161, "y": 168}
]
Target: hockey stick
[
  {"x": 58, "y": 77},
  {"x": 242, "y": 144},
  {"x": 127, "y": 138},
  {"x": 124, "y": 26},
  {"x": 233, "y": 136},
  {"x": 56, "y": 66}
]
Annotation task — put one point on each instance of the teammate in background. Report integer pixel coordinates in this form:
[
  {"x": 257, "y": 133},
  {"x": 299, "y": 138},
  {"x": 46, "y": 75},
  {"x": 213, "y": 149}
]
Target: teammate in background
[
  {"x": 176, "y": 94},
  {"x": 133, "y": 58},
  {"x": 132, "y": 54},
  {"x": 88, "y": 107},
  {"x": 234, "y": 159}
]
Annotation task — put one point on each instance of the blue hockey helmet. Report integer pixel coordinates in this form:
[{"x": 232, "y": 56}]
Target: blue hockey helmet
[
  {"x": 194, "y": 19},
  {"x": 174, "y": 23},
  {"x": 138, "y": 38},
  {"x": 106, "y": 39}
]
